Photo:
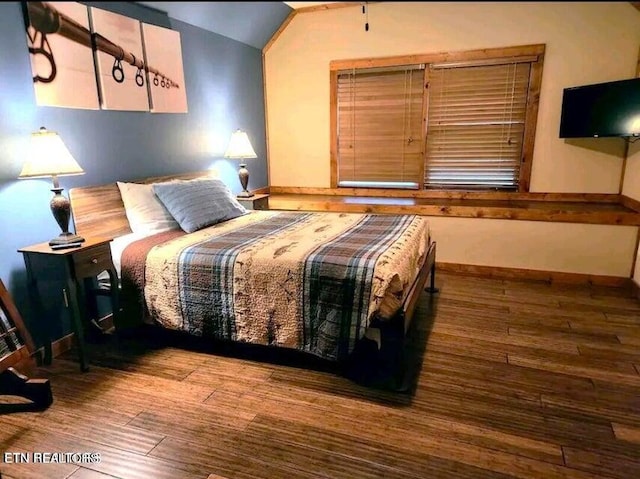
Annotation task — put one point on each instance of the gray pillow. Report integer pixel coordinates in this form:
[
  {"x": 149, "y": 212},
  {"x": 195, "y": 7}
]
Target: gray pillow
[{"x": 199, "y": 203}]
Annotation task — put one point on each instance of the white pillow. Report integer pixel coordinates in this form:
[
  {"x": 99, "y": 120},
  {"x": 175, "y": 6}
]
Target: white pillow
[{"x": 144, "y": 210}]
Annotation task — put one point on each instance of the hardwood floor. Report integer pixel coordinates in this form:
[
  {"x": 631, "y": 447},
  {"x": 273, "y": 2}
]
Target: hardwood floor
[{"x": 510, "y": 379}]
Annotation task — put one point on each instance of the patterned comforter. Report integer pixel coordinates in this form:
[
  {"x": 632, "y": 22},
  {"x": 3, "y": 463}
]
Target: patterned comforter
[{"x": 308, "y": 281}]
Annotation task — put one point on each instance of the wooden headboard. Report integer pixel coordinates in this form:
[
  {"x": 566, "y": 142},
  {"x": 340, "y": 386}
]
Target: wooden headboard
[{"x": 99, "y": 210}]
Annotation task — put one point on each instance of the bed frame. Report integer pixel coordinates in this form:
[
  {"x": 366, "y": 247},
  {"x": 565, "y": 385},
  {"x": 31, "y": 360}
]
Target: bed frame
[{"x": 99, "y": 211}]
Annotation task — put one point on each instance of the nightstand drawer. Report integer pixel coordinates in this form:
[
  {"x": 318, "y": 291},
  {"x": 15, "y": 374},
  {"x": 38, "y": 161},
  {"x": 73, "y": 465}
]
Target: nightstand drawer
[{"x": 92, "y": 261}]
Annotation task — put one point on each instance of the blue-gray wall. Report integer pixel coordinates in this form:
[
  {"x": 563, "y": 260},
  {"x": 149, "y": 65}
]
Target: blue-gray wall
[
  {"x": 253, "y": 23},
  {"x": 224, "y": 91}
]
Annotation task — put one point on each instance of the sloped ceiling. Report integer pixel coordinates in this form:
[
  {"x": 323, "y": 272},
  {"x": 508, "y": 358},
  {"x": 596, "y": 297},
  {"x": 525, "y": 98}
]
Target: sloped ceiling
[
  {"x": 252, "y": 23},
  {"x": 296, "y": 5}
]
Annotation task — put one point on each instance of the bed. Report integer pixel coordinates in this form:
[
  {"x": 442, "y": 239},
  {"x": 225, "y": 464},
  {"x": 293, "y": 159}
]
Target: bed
[{"x": 309, "y": 281}]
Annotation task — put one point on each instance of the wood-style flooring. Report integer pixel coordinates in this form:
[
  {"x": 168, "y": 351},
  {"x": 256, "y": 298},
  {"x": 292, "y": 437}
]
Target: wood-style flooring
[{"x": 510, "y": 379}]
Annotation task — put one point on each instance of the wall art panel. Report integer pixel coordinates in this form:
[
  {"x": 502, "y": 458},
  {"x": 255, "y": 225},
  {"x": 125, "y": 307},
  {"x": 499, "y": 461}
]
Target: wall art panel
[
  {"x": 163, "y": 52},
  {"x": 120, "y": 61},
  {"x": 59, "y": 42}
]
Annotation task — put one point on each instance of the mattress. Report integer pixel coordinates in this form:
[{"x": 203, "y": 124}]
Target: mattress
[{"x": 308, "y": 281}]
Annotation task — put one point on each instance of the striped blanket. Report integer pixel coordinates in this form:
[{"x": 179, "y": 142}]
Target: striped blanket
[{"x": 308, "y": 281}]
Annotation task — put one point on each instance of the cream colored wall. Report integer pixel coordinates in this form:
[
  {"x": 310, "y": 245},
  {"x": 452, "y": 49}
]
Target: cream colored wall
[
  {"x": 631, "y": 188},
  {"x": 631, "y": 185},
  {"x": 586, "y": 42},
  {"x": 566, "y": 247}
]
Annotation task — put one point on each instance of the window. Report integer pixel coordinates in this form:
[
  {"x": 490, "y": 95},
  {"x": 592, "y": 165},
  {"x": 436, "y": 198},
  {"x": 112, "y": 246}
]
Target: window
[{"x": 450, "y": 121}]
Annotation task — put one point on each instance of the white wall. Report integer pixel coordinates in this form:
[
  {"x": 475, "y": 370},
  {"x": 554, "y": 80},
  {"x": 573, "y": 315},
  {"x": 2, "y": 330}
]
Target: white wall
[{"x": 565, "y": 247}]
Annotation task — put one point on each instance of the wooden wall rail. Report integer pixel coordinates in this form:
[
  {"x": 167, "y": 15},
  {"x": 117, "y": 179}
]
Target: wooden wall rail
[
  {"x": 607, "y": 210},
  {"x": 630, "y": 203},
  {"x": 451, "y": 195}
]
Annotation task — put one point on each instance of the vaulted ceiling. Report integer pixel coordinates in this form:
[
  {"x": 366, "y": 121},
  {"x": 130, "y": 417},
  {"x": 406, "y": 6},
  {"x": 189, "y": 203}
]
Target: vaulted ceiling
[{"x": 253, "y": 23}]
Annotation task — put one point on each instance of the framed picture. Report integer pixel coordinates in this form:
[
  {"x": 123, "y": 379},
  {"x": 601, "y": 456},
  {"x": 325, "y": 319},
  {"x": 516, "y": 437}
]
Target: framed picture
[
  {"x": 59, "y": 42},
  {"x": 163, "y": 52},
  {"x": 119, "y": 61}
]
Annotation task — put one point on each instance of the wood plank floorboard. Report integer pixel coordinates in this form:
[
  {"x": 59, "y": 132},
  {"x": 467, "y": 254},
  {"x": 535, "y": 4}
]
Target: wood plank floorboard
[
  {"x": 83, "y": 473},
  {"x": 507, "y": 379},
  {"x": 627, "y": 433}
]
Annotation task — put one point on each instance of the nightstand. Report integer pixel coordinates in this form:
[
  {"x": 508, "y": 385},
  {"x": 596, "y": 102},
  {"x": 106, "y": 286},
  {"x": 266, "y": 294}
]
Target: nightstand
[
  {"x": 255, "y": 202},
  {"x": 72, "y": 270}
]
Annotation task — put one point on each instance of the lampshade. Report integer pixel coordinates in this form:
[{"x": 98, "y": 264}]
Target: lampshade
[
  {"x": 48, "y": 156},
  {"x": 240, "y": 146}
]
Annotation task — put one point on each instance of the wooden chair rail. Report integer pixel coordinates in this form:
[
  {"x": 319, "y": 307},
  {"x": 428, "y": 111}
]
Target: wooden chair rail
[
  {"x": 451, "y": 195},
  {"x": 603, "y": 209}
]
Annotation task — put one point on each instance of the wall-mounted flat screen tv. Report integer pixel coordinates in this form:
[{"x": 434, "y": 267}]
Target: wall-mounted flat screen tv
[{"x": 601, "y": 110}]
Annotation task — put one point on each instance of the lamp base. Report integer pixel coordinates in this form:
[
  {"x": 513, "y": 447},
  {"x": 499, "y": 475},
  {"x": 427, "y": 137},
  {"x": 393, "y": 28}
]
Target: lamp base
[
  {"x": 61, "y": 209},
  {"x": 243, "y": 174},
  {"x": 66, "y": 238}
]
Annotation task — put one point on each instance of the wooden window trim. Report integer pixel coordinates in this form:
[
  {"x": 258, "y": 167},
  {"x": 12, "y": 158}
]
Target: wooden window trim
[
  {"x": 333, "y": 125},
  {"x": 533, "y": 96},
  {"x": 445, "y": 57},
  {"x": 425, "y": 123},
  {"x": 533, "y": 99}
]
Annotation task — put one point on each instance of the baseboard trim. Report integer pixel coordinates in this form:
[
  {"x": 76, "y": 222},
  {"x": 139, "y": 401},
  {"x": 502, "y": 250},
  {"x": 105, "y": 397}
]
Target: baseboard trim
[
  {"x": 66, "y": 343},
  {"x": 534, "y": 275},
  {"x": 62, "y": 345}
]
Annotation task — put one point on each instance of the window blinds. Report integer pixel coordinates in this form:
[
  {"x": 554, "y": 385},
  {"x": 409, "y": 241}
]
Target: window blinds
[
  {"x": 380, "y": 127},
  {"x": 476, "y": 125}
]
